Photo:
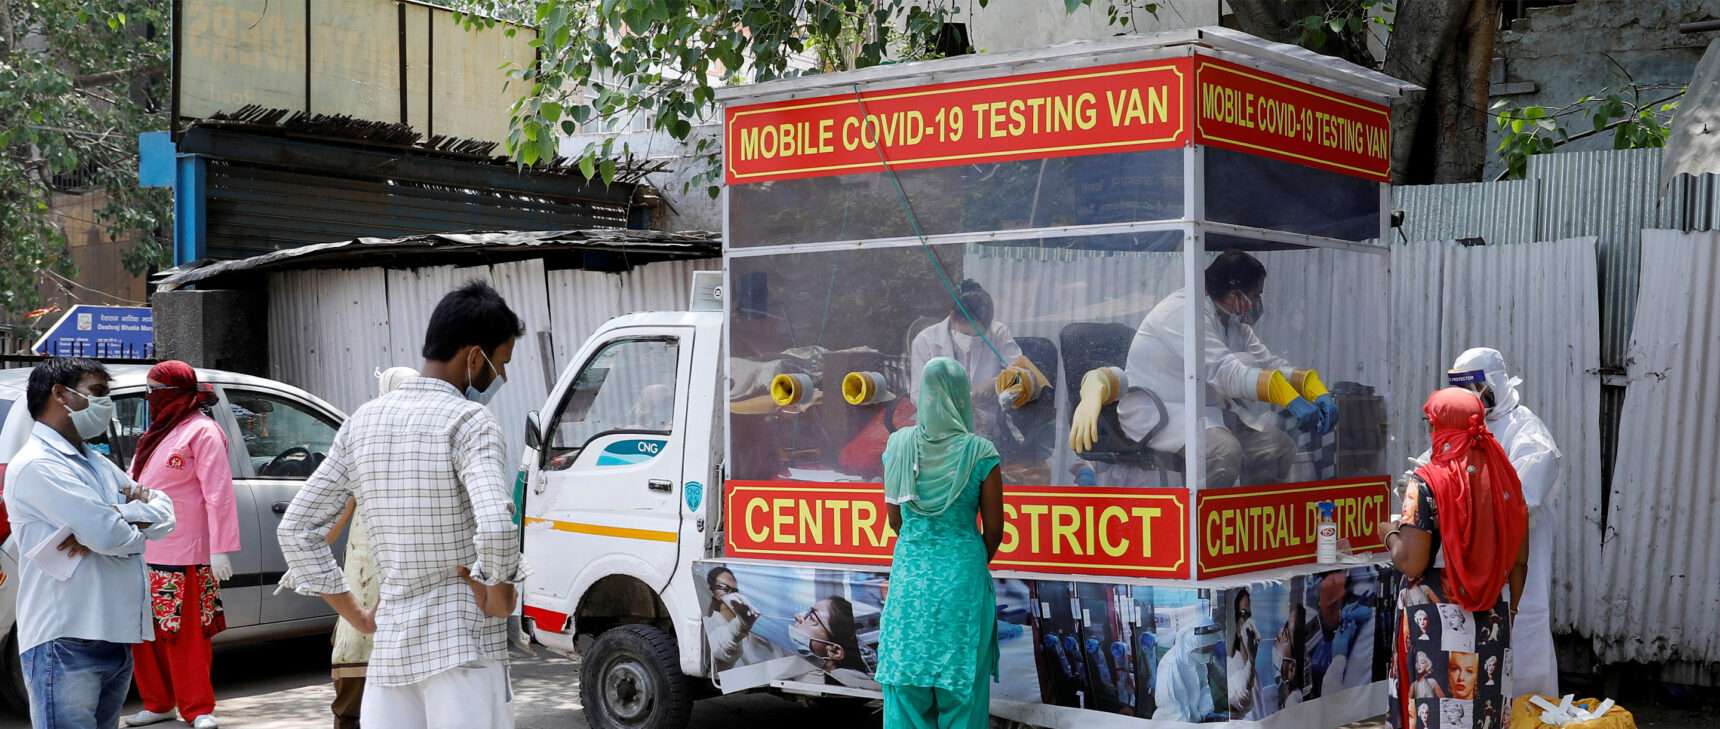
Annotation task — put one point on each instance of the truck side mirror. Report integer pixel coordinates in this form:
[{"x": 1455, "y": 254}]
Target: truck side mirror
[{"x": 534, "y": 431}]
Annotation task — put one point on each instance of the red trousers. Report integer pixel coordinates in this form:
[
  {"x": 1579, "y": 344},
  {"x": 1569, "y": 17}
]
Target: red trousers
[{"x": 173, "y": 670}]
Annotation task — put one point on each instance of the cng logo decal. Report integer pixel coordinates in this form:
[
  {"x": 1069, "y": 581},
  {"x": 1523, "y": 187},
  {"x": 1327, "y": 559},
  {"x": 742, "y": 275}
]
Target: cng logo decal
[
  {"x": 695, "y": 494},
  {"x": 630, "y": 452}
]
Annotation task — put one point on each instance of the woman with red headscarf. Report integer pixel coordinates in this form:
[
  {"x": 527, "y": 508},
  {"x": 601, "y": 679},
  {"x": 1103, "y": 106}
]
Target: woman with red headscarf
[
  {"x": 1459, "y": 547},
  {"x": 184, "y": 454}
]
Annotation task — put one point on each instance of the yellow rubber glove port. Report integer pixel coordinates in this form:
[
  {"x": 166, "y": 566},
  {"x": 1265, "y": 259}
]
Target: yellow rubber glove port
[
  {"x": 862, "y": 388},
  {"x": 786, "y": 390},
  {"x": 1020, "y": 383},
  {"x": 1273, "y": 388},
  {"x": 1099, "y": 388},
  {"x": 1308, "y": 383}
]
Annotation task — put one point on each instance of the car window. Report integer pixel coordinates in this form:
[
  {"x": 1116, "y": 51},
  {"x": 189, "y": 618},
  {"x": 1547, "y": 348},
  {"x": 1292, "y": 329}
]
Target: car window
[
  {"x": 283, "y": 438},
  {"x": 629, "y": 385},
  {"x": 130, "y": 419}
]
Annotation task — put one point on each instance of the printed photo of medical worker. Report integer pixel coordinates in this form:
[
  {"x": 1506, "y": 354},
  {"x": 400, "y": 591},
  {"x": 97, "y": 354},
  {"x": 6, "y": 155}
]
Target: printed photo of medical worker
[
  {"x": 1017, "y": 670},
  {"x": 1262, "y": 663},
  {"x": 1189, "y": 682},
  {"x": 1058, "y": 645},
  {"x": 766, "y": 623},
  {"x": 1340, "y": 648},
  {"x": 1145, "y": 627},
  {"x": 1106, "y": 611}
]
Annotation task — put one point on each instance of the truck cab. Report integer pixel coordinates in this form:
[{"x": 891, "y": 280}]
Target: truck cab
[{"x": 619, "y": 475}]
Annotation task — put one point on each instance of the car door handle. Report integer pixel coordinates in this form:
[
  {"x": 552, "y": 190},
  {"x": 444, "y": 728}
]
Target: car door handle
[
  {"x": 280, "y": 507},
  {"x": 658, "y": 484}
]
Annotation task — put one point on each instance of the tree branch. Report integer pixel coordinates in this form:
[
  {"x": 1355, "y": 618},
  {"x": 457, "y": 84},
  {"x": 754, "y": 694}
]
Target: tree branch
[
  {"x": 107, "y": 77},
  {"x": 1584, "y": 135}
]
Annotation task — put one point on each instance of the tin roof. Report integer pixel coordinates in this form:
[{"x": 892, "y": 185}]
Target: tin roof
[{"x": 446, "y": 248}]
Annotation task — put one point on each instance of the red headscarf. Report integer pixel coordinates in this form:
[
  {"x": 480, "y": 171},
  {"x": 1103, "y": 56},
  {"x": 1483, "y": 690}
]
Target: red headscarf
[
  {"x": 169, "y": 406},
  {"x": 1482, "y": 517}
]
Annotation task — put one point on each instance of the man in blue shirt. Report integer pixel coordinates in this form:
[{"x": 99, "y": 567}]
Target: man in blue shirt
[{"x": 75, "y": 635}]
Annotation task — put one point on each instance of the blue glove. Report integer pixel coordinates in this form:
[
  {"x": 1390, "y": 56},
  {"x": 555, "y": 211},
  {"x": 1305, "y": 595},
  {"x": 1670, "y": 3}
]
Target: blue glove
[
  {"x": 1356, "y": 614},
  {"x": 1307, "y": 416},
  {"x": 1343, "y": 638},
  {"x": 1328, "y": 412},
  {"x": 1086, "y": 478}
]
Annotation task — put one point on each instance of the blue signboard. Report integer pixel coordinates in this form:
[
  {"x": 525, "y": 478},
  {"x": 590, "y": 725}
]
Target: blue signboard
[{"x": 117, "y": 332}]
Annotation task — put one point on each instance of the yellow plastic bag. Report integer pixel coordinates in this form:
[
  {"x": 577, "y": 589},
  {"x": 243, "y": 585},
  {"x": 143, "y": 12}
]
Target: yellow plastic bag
[{"x": 1526, "y": 715}]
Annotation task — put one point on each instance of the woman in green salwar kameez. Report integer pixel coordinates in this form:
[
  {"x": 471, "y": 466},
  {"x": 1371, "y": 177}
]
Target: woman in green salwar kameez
[{"x": 938, "y": 651}]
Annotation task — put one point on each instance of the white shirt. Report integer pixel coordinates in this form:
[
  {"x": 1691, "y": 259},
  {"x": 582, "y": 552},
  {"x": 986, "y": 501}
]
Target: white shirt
[
  {"x": 1233, "y": 357},
  {"x": 428, "y": 469},
  {"x": 981, "y": 364},
  {"x": 53, "y": 483}
]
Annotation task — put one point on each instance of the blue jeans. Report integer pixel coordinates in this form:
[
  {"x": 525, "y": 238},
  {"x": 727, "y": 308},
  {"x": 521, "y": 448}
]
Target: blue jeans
[{"x": 76, "y": 683}]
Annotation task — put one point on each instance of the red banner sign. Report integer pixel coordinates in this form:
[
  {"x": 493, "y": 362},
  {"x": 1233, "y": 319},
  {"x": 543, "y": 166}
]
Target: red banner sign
[
  {"x": 1262, "y": 527},
  {"x": 1063, "y": 530},
  {"x": 1240, "y": 108},
  {"x": 1120, "y": 108}
]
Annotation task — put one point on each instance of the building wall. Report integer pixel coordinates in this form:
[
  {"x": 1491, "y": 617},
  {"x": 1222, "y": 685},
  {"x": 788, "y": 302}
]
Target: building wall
[
  {"x": 101, "y": 278},
  {"x": 1559, "y": 54},
  {"x": 1007, "y": 25}
]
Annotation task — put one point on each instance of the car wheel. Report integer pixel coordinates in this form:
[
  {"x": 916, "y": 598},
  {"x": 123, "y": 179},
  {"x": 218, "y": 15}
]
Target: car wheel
[
  {"x": 12, "y": 690},
  {"x": 631, "y": 679}
]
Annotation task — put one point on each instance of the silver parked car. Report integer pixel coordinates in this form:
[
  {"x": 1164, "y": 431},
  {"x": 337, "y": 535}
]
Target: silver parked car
[{"x": 277, "y": 434}]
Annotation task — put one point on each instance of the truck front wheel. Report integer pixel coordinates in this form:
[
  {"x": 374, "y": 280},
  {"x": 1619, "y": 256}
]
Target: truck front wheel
[{"x": 631, "y": 679}]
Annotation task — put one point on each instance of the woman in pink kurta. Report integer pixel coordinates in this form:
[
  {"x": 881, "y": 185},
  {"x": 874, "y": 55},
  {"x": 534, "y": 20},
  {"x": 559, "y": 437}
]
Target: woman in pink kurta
[{"x": 184, "y": 454}]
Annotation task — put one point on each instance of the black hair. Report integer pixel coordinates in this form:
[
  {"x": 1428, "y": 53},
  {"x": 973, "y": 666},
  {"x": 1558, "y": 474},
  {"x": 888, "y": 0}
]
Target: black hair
[
  {"x": 844, "y": 633},
  {"x": 471, "y": 314},
  {"x": 64, "y": 371},
  {"x": 1234, "y": 271},
  {"x": 711, "y": 577},
  {"x": 973, "y": 297}
]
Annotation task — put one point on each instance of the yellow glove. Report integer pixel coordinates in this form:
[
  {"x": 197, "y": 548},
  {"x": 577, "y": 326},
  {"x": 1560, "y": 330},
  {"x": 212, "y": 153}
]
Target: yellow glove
[
  {"x": 1273, "y": 388},
  {"x": 1099, "y": 388},
  {"x": 1308, "y": 383},
  {"x": 1020, "y": 383}
]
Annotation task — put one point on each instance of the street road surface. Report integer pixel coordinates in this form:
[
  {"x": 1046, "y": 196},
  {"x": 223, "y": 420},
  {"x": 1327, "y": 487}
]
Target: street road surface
[{"x": 285, "y": 685}]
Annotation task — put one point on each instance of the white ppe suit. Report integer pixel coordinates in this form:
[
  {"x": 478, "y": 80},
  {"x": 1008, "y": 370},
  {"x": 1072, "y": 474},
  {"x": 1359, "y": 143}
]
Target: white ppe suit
[
  {"x": 941, "y": 340},
  {"x": 1538, "y": 462},
  {"x": 1250, "y": 446},
  {"x": 1183, "y": 691}
]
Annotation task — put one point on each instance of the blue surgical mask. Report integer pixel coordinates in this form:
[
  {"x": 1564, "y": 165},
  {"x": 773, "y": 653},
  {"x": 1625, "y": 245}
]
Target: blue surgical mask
[
  {"x": 484, "y": 396},
  {"x": 802, "y": 641}
]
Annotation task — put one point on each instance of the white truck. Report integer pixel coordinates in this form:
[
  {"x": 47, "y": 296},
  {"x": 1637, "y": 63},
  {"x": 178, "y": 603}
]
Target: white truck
[{"x": 702, "y": 505}]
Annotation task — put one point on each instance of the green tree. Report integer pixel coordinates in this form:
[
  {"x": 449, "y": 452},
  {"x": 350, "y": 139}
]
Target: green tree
[
  {"x": 79, "y": 79},
  {"x": 612, "y": 59}
]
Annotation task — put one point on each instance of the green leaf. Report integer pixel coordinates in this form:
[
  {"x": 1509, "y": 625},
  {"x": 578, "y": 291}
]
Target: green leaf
[
  {"x": 1070, "y": 6},
  {"x": 588, "y": 165},
  {"x": 551, "y": 111},
  {"x": 608, "y": 170},
  {"x": 1336, "y": 24}
]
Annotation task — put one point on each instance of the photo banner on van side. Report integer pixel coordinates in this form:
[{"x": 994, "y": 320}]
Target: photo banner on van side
[{"x": 1124, "y": 532}]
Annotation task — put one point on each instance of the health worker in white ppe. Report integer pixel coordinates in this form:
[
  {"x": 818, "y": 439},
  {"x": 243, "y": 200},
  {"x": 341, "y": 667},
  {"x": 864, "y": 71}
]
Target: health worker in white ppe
[
  {"x": 1536, "y": 457},
  {"x": 958, "y": 338},
  {"x": 1247, "y": 385},
  {"x": 1184, "y": 689}
]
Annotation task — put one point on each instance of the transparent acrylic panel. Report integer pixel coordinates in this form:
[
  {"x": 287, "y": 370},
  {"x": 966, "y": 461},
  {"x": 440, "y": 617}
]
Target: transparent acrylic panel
[
  {"x": 1090, "y": 190},
  {"x": 1066, "y": 305},
  {"x": 1321, "y": 309},
  {"x": 1258, "y": 192}
]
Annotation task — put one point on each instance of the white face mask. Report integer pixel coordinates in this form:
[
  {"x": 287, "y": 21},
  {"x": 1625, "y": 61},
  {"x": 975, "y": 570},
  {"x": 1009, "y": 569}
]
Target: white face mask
[
  {"x": 484, "y": 396},
  {"x": 963, "y": 341},
  {"x": 802, "y": 641},
  {"x": 93, "y": 420}
]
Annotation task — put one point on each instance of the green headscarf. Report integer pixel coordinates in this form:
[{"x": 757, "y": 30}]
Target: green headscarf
[{"x": 927, "y": 466}]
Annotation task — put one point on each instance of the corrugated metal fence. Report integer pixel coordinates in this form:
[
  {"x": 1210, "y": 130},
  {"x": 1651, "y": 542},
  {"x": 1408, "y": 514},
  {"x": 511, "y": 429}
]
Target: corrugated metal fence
[
  {"x": 329, "y": 330},
  {"x": 1658, "y": 592},
  {"x": 1648, "y": 589}
]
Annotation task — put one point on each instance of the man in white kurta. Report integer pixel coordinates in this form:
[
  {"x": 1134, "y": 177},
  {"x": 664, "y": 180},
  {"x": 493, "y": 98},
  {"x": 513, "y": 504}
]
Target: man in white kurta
[{"x": 1536, "y": 457}]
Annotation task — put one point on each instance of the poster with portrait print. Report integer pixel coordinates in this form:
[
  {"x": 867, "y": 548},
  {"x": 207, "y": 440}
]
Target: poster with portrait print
[
  {"x": 1189, "y": 682},
  {"x": 764, "y": 623},
  {"x": 1455, "y": 712},
  {"x": 1457, "y": 629},
  {"x": 1262, "y": 664},
  {"x": 1426, "y": 714}
]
